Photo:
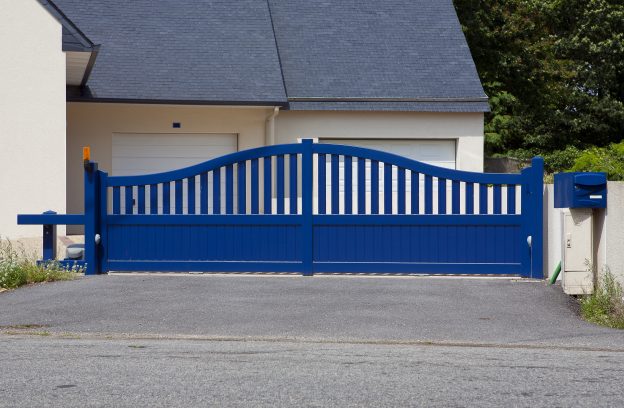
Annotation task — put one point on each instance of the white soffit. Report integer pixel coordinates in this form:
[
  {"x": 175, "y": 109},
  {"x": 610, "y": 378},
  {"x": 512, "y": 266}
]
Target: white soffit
[{"x": 76, "y": 65}]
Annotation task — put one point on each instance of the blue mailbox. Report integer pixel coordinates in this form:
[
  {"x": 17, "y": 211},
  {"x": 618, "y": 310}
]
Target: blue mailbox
[{"x": 581, "y": 190}]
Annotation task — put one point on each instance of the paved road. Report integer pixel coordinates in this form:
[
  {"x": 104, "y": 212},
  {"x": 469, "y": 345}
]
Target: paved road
[
  {"x": 153, "y": 340},
  {"x": 65, "y": 372}
]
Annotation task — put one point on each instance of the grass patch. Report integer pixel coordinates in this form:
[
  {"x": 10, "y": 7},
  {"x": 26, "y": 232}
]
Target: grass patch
[
  {"x": 17, "y": 268},
  {"x": 606, "y": 305}
]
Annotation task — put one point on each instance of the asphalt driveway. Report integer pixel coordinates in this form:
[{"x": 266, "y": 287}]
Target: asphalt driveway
[
  {"x": 282, "y": 341},
  {"x": 322, "y": 308}
]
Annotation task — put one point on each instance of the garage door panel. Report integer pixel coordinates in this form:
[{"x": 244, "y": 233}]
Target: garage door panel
[
  {"x": 173, "y": 139},
  {"x": 170, "y": 151},
  {"x": 439, "y": 152},
  {"x": 137, "y": 153}
]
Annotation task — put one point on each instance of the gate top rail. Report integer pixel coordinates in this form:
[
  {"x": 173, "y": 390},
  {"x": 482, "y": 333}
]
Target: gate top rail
[{"x": 316, "y": 148}]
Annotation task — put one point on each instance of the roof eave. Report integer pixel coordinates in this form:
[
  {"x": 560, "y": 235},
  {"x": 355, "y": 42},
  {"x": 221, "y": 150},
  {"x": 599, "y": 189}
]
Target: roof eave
[
  {"x": 83, "y": 94},
  {"x": 56, "y": 12}
]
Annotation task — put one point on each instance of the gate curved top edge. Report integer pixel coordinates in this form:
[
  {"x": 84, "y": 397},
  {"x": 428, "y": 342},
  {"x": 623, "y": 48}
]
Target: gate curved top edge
[
  {"x": 316, "y": 148},
  {"x": 417, "y": 166},
  {"x": 213, "y": 164}
]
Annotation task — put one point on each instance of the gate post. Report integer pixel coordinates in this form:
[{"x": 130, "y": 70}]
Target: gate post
[
  {"x": 533, "y": 218},
  {"x": 307, "y": 176},
  {"x": 537, "y": 227},
  {"x": 102, "y": 246},
  {"x": 91, "y": 216}
]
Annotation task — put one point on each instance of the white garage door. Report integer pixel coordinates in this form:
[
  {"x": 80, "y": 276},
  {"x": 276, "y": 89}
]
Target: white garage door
[
  {"x": 435, "y": 152},
  {"x": 143, "y": 153}
]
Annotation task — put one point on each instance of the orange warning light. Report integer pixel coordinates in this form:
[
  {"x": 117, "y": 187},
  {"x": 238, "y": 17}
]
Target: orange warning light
[{"x": 86, "y": 153}]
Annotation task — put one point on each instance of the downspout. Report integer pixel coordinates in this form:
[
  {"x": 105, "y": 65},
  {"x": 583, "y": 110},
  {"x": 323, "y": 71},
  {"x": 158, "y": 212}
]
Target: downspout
[{"x": 270, "y": 127}]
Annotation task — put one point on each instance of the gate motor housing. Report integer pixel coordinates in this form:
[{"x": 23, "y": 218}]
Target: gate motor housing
[{"x": 580, "y": 193}]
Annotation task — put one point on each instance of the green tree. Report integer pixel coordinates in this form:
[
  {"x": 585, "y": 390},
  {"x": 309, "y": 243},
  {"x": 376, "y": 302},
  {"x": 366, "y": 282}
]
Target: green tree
[{"x": 554, "y": 71}]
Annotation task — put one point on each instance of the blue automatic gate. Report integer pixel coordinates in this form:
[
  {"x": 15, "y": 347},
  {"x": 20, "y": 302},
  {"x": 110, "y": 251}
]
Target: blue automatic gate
[{"x": 309, "y": 208}]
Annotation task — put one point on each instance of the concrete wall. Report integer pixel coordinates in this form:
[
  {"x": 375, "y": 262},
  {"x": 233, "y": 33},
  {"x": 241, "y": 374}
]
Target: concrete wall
[
  {"x": 608, "y": 234},
  {"x": 32, "y": 115},
  {"x": 553, "y": 232},
  {"x": 466, "y": 128},
  {"x": 93, "y": 124}
]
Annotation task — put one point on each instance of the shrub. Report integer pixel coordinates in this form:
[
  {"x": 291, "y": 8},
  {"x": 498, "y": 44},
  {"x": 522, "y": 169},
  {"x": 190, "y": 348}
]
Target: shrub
[
  {"x": 608, "y": 159},
  {"x": 606, "y": 305},
  {"x": 17, "y": 268}
]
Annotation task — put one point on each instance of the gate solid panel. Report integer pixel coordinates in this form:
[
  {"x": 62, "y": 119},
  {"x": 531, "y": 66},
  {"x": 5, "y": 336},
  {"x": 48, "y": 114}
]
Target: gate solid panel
[{"x": 459, "y": 223}]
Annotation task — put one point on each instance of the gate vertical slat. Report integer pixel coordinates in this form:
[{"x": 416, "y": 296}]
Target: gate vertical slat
[
  {"x": 216, "y": 191},
  {"x": 153, "y": 199},
  {"x": 361, "y": 185},
  {"x": 190, "y": 200},
  {"x": 441, "y": 196},
  {"x": 242, "y": 187},
  {"x": 166, "y": 197},
  {"x": 469, "y": 198},
  {"x": 229, "y": 189},
  {"x": 255, "y": 182},
  {"x": 387, "y": 188},
  {"x": 179, "y": 200},
  {"x": 280, "y": 184},
  {"x": 428, "y": 194},
  {"x": 292, "y": 178},
  {"x": 335, "y": 184},
  {"x": 483, "y": 198},
  {"x": 129, "y": 200},
  {"x": 455, "y": 196},
  {"x": 268, "y": 181},
  {"x": 141, "y": 199},
  {"x": 307, "y": 204},
  {"x": 322, "y": 199},
  {"x": 116, "y": 200},
  {"x": 511, "y": 198},
  {"x": 401, "y": 190},
  {"x": 203, "y": 193},
  {"x": 348, "y": 188},
  {"x": 415, "y": 185},
  {"x": 497, "y": 199},
  {"x": 374, "y": 187}
]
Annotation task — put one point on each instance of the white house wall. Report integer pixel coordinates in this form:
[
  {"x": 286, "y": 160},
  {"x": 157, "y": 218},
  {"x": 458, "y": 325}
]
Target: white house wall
[
  {"x": 32, "y": 115},
  {"x": 465, "y": 128}
]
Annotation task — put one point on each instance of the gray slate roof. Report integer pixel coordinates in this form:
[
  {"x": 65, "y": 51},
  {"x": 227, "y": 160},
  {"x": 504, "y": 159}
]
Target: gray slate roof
[
  {"x": 195, "y": 51},
  {"x": 412, "y": 52},
  {"x": 401, "y": 55}
]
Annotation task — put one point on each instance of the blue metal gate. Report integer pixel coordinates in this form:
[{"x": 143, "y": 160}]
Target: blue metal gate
[{"x": 312, "y": 207}]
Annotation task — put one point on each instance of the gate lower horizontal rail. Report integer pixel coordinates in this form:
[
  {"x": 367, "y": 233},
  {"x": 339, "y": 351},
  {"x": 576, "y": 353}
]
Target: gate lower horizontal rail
[
  {"x": 417, "y": 219},
  {"x": 316, "y": 219}
]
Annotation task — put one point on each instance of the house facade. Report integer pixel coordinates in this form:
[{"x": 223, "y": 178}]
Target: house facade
[{"x": 151, "y": 87}]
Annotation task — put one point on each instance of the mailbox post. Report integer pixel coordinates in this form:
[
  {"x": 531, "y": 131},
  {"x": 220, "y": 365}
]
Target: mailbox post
[{"x": 579, "y": 194}]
